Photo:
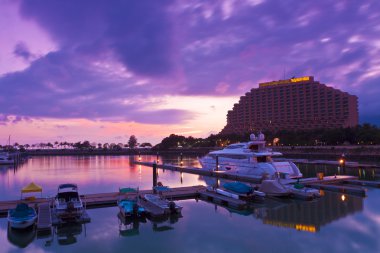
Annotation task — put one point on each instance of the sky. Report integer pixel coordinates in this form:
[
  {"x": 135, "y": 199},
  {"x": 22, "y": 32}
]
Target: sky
[{"x": 103, "y": 70}]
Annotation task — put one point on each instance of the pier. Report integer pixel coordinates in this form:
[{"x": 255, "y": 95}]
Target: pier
[{"x": 46, "y": 218}]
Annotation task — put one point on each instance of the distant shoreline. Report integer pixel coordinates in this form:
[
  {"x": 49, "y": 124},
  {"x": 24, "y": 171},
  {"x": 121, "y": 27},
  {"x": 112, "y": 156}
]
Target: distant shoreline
[{"x": 351, "y": 152}]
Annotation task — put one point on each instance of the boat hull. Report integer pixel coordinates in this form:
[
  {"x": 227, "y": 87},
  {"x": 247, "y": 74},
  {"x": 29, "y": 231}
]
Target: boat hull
[{"x": 22, "y": 224}]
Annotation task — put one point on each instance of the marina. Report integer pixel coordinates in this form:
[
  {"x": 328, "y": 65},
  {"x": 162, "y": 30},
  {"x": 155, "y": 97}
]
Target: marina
[{"x": 188, "y": 189}]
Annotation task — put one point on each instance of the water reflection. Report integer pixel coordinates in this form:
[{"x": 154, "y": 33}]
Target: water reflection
[
  {"x": 164, "y": 223},
  {"x": 333, "y": 214},
  {"x": 129, "y": 226},
  {"x": 67, "y": 233},
  {"x": 21, "y": 237}
]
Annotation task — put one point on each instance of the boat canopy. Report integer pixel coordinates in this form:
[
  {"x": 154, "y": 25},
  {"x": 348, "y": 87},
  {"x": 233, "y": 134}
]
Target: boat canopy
[{"x": 32, "y": 187}]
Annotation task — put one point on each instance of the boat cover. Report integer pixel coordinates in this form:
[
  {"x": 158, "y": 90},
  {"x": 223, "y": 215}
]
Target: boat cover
[
  {"x": 238, "y": 187},
  {"x": 22, "y": 210},
  {"x": 127, "y": 190}
]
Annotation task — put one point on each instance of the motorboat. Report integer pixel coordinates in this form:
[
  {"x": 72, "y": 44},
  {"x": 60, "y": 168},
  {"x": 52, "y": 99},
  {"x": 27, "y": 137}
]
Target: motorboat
[
  {"x": 166, "y": 205},
  {"x": 68, "y": 203},
  {"x": 251, "y": 158},
  {"x": 22, "y": 216},
  {"x": 243, "y": 191},
  {"x": 130, "y": 208},
  {"x": 5, "y": 159}
]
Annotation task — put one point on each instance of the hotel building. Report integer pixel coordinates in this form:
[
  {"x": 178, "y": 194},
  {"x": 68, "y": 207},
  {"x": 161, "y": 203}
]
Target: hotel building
[{"x": 292, "y": 104}]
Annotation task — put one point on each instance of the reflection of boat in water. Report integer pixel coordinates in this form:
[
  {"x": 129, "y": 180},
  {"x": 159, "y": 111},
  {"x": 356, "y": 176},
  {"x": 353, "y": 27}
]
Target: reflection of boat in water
[
  {"x": 251, "y": 158},
  {"x": 67, "y": 232},
  {"x": 164, "y": 223},
  {"x": 21, "y": 238},
  {"x": 22, "y": 216},
  {"x": 129, "y": 225}
]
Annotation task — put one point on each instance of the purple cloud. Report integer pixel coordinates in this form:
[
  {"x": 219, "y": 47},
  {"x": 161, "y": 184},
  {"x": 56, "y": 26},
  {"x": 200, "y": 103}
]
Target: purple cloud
[
  {"x": 22, "y": 51},
  {"x": 114, "y": 57}
]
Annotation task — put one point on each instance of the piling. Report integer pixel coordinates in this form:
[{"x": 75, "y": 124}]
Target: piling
[
  {"x": 216, "y": 163},
  {"x": 154, "y": 174}
]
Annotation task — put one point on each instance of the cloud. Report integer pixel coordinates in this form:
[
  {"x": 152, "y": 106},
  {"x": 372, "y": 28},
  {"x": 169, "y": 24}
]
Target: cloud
[
  {"x": 114, "y": 59},
  {"x": 21, "y": 50}
]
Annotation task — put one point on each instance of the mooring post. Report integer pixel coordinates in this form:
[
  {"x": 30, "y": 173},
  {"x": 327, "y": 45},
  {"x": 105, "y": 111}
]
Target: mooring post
[
  {"x": 158, "y": 159},
  {"x": 154, "y": 176},
  {"x": 181, "y": 159},
  {"x": 216, "y": 163}
]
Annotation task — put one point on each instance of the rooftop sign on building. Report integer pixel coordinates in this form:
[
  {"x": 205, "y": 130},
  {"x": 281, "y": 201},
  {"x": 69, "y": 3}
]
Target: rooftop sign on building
[{"x": 287, "y": 81}]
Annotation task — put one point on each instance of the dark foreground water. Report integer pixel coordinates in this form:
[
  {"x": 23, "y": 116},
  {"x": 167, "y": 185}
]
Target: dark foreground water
[{"x": 333, "y": 223}]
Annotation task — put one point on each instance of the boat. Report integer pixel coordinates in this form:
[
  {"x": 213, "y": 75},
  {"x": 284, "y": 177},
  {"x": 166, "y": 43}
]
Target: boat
[
  {"x": 68, "y": 203},
  {"x": 251, "y": 158},
  {"x": 243, "y": 191},
  {"x": 22, "y": 216},
  {"x": 5, "y": 159},
  {"x": 299, "y": 191},
  {"x": 130, "y": 208},
  {"x": 274, "y": 188},
  {"x": 166, "y": 205}
]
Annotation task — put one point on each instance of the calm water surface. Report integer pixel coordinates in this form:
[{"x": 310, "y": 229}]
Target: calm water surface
[{"x": 328, "y": 224}]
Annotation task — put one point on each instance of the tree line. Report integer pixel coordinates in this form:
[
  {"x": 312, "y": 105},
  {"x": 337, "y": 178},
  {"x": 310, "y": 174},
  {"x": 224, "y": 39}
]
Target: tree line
[
  {"x": 365, "y": 134},
  {"x": 132, "y": 143}
]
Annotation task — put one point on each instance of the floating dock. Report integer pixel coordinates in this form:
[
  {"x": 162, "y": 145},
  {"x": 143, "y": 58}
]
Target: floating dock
[{"x": 44, "y": 217}]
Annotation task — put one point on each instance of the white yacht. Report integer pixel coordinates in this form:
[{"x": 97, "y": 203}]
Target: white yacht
[
  {"x": 67, "y": 202},
  {"x": 251, "y": 158},
  {"x": 5, "y": 158}
]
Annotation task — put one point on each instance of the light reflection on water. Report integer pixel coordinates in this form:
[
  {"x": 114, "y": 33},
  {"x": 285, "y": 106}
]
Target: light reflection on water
[{"x": 329, "y": 224}]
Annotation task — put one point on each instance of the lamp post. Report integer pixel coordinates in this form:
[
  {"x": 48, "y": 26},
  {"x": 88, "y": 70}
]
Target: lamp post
[{"x": 342, "y": 163}]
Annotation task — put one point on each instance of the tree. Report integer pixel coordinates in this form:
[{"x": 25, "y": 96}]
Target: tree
[{"x": 132, "y": 141}]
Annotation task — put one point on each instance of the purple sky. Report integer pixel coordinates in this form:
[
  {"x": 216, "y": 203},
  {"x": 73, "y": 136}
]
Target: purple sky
[{"x": 134, "y": 62}]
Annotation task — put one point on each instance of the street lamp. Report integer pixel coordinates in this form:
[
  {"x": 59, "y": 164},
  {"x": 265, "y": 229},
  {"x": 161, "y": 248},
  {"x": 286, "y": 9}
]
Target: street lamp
[{"x": 342, "y": 163}]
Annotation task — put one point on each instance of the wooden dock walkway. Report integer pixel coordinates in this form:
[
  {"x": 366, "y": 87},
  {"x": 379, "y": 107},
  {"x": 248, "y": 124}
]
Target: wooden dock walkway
[
  {"x": 44, "y": 217},
  {"x": 107, "y": 199},
  {"x": 208, "y": 173}
]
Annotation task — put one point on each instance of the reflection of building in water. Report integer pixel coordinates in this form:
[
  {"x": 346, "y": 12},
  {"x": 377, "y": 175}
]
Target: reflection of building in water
[{"x": 310, "y": 216}]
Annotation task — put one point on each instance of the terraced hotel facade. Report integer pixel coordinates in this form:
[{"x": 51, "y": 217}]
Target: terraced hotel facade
[{"x": 292, "y": 104}]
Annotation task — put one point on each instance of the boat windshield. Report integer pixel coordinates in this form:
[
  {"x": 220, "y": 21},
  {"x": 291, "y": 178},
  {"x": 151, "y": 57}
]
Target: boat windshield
[{"x": 68, "y": 196}]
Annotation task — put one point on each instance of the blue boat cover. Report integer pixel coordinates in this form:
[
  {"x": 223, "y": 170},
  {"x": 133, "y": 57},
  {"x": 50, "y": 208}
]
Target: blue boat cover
[
  {"x": 161, "y": 188},
  {"x": 22, "y": 210},
  {"x": 238, "y": 187},
  {"x": 127, "y": 190}
]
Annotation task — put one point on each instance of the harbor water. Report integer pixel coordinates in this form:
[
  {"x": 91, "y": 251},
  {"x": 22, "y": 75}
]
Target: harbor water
[{"x": 333, "y": 223}]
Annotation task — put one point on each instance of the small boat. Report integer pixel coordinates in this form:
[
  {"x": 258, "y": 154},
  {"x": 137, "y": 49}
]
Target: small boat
[
  {"x": 22, "y": 216},
  {"x": 166, "y": 205},
  {"x": 130, "y": 208},
  {"x": 244, "y": 191},
  {"x": 68, "y": 204},
  {"x": 5, "y": 159},
  {"x": 301, "y": 192},
  {"x": 273, "y": 187}
]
